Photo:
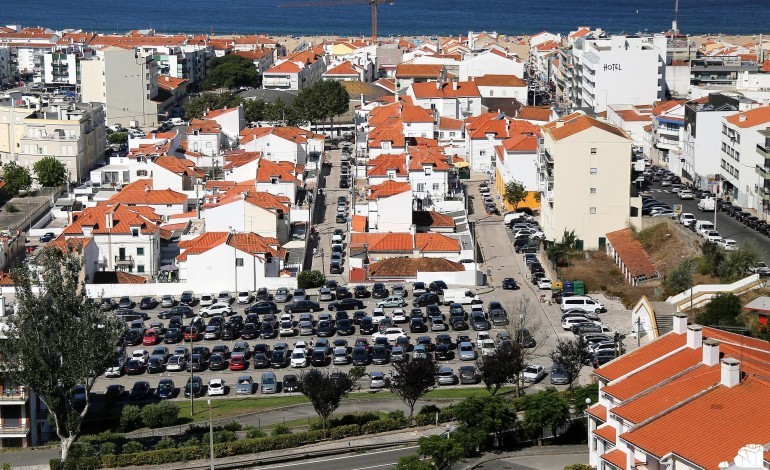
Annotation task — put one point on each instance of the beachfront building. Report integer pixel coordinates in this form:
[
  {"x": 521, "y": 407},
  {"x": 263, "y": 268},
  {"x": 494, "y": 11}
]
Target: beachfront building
[
  {"x": 743, "y": 150},
  {"x": 584, "y": 177}
]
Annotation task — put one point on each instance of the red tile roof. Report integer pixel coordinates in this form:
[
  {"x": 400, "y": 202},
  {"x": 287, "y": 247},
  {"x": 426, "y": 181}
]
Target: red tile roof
[
  {"x": 416, "y": 114},
  {"x": 419, "y": 70},
  {"x": 535, "y": 113},
  {"x": 257, "y": 54},
  {"x": 402, "y": 242},
  {"x": 521, "y": 143},
  {"x": 598, "y": 411},
  {"x": 666, "y": 106},
  {"x": 284, "y": 171},
  {"x": 201, "y": 244},
  {"x": 345, "y": 68},
  {"x": 284, "y": 67},
  {"x": 128, "y": 278},
  {"x": 632, "y": 253},
  {"x": 387, "y": 83},
  {"x": 500, "y": 81},
  {"x": 140, "y": 192},
  {"x": 387, "y": 189},
  {"x": 292, "y": 134},
  {"x": 399, "y": 268},
  {"x": 236, "y": 160},
  {"x": 616, "y": 458},
  {"x": 579, "y": 124},
  {"x": 124, "y": 218},
  {"x": 641, "y": 357},
  {"x": 428, "y": 90},
  {"x": 630, "y": 115},
  {"x": 751, "y": 118},
  {"x": 179, "y": 166},
  {"x": 740, "y": 415},
  {"x": 202, "y": 126},
  {"x": 445, "y": 123},
  {"x": 432, "y": 219},
  {"x": 212, "y": 113},
  {"x": 170, "y": 83},
  {"x": 607, "y": 432},
  {"x": 358, "y": 223}
]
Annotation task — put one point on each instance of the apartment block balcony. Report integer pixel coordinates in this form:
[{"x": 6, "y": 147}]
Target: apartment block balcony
[
  {"x": 124, "y": 261},
  {"x": 764, "y": 192},
  {"x": 13, "y": 396},
  {"x": 763, "y": 172},
  {"x": 764, "y": 150},
  {"x": 14, "y": 427},
  {"x": 50, "y": 137}
]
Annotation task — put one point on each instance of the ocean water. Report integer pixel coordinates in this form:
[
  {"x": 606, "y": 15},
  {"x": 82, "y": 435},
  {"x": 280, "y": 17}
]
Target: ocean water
[{"x": 407, "y": 17}]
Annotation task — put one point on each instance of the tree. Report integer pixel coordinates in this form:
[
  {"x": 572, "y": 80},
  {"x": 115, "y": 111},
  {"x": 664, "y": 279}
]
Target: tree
[
  {"x": 254, "y": 110},
  {"x": 198, "y": 106},
  {"x": 310, "y": 279},
  {"x": 50, "y": 172},
  {"x": 526, "y": 329},
  {"x": 679, "y": 279},
  {"x": 515, "y": 192},
  {"x": 577, "y": 397},
  {"x": 322, "y": 101},
  {"x": 572, "y": 354},
  {"x": 713, "y": 255},
  {"x": 492, "y": 415},
  {"x": 231, "y": 71},
  {"x": 58, "y": 338},
  {"x": 548, "y": 409},
  {"x": 737, "y": 263},
  {"x": 412, "y": 462},
  {"x": 411, "y": 380},
  {"x": 278, "y": 112},
  {"x": 17, "y": 178},
  {"x": 501, "y": 367},
  {"x": 117, "y": 138},
  {"x": 722, "y": 310},
  {"x": 325, "y": 392},
  {"x": 442, "y": 451}
]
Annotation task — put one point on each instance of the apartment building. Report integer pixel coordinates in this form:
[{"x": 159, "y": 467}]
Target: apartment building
[
  {"x": 7, "y": 74},
  {"x": 23, "y": 415},
  {"x": 584, "y": 177},
  {"x": 742, "y": 167},
  {"x": 125, "y": 82},
  {"x": 296, "y": 71},
  {"x": 62, "y": 65},
  {"x": 667, "y": 135},
  {"x": 456, "y": 100},
  {"x": 692, "y": 399},
  {"x": 73, "y": 133}
]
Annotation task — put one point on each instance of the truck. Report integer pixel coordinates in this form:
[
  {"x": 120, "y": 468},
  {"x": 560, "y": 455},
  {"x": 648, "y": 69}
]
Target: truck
[
  {"x": 460, "y": 296},
  {"x": 707, "y": 204}
]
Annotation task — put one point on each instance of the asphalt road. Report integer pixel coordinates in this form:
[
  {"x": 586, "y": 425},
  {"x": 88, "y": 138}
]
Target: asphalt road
[
  {"x": 725, "y": 225},
  {"x": 383, "y": 459}
]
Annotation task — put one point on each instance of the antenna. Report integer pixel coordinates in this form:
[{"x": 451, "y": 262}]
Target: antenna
[{"x": 675, "y": 24}]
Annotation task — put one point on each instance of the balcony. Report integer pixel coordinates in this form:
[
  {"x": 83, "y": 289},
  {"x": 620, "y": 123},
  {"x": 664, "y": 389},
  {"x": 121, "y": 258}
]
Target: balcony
[
  {"x": 764, "y": 150},
  {"x": 60, "y": 137},
  {"x": 14, "y": 427},
  {"x": 763, "y": 172},
  {"x": 124, "y": 261},
  {"x": 13, "y": 396}
]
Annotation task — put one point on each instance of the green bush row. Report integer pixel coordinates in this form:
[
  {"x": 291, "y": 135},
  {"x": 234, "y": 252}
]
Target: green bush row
[
  {"x": 426, "y": 419},
  {"x": 153, "y": 457},
  {"x": 382, "y": 425}
]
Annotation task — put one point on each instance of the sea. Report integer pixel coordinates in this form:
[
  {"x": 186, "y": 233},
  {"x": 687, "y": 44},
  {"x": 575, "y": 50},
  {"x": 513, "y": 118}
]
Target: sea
[{"x": 398, "y": 17}]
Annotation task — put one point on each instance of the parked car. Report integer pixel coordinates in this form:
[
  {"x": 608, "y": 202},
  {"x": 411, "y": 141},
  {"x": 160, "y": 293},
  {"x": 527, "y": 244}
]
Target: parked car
[
  {"x": 245, "y": 385},
  {"x": 533, "y": 373},
  {"x": 216, "y": 387},
  {"x": 446, "y": 376}
]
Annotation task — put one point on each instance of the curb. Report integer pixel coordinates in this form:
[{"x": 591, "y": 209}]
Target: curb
[{"x": 532, "y": 451}]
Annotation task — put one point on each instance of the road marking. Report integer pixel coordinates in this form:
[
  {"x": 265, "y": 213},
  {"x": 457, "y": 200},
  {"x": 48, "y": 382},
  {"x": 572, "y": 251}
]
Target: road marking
[
  {"x": 338, "y": 458},
  {"x": 376, "y": 466}
]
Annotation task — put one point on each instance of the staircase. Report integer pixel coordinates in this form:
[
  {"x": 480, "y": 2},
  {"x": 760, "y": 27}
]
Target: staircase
[{"x": 665, "y": 323}]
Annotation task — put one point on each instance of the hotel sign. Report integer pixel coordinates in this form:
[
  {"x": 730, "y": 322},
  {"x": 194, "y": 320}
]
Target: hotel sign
[{"x": 610, "y": 67}]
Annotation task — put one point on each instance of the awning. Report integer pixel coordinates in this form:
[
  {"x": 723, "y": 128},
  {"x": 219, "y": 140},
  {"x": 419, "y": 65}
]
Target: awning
[
  {"x": 169, "y": 267},
  {"x": 462, "y": 165}
]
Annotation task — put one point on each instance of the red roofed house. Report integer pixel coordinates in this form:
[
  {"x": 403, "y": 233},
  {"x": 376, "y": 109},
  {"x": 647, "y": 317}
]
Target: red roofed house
[
  {"x": 288, "y": 144},
  {"x": 502, "y": 86},
  {"x": 128, "y": 237},
  {"x": 408, "y": 74},
  {"x": 344, "y": 72},
  {"x": 240, "y": 165},
  {"x": 381, "y": 246},
  {"x": 165, "y": 202},
  {"x": 296, "y": 71},
  {"x": 204, "y": 137},
  {"x": 631, "y": 257},
  {"x": 744, "y": 135},
  {"x": 516, "y": 160},
  {"x": 246, "y": 210},
  {"x": 231, "y": 120},
  {"x": 668, "y": 137},
  {"x": 692, "y": 399},
  {"x": 490, "y": 61},
  {"x": 389, "y": 202},
  {"x": 584, "y": 175},
  {"x": 218, "y": 261},
  {"x": 456, "y": 100},
  {"x": 261, "y": 58},
  {"x": 428, "y": 171},
  {"x": 279, "y": 178}
]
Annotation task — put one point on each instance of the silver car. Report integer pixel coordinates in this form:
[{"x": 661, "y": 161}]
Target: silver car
[
  {"x": 341, "y": 357},
  {"x": 282, "y": 295},
  {"x": 466, "y": 351},
  {"x": 167, "y": 301},
  {"x": 245, "y": 385},
  {"x": 446, "y": 376},
  {"x": 269, "y": 383}
]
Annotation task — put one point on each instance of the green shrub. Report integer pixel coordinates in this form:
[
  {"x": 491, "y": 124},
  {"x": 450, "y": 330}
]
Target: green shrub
[
  {"x": 81, "y": 449},
  {"x": 153, "y": 457},
  {"x": 345, "y": 431},
  {"x": 232, "y": 426},
  {"x": 83, "y": 463},
  {"x": 103, "y": 436},
  {"x": 132, "y": 447},
  {"x": 191, "y": 442},
  {"x": 429, "y": 410},
  {"x": 196, "y": 429},
  {"x": 165, "y": 443},
  {"x": 426, "y": 419},
  {"x": 221, "y": 436},
  {"x": 6, "y": 466},
  {"x": 280, "y": 430},
  {"x": 310, "y": 279},
  {"x": 253, "y": 433},
  {"x": 54, "y": 464},
  {"x": 346, "y": 420},
  {"x": 397, "y": 415},
  {"x": 130, "y": 417},
  {"x": 161, "y": 414},
  {"x": 107, "y": 448},
  {"x": 382, "y": 425}
]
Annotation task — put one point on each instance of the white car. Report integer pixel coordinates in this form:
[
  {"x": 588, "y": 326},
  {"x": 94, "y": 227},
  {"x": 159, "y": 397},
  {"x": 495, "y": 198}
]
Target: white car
[
  {"x": 299, "y": 357},
  {"x": 216, "y": 387},
  {"x": 224, "y": 297},
  {"x": 712, "y": 236},
  {"x": 728, "y": 244},
  {"x": 391, "y": 333},
  {"x": 685, "y": 194},
  {"x": 686, "y": 219},
  {"x": 216, "y": 309},
  {"x": 377, "y": 315},
  {"x": 206, "y": 300},
  {"x": 662, "y": 212},
  {"x": 533, "y": 373},
  {"x": 487, "y": 347},
  {"x": 544, "y": 283},
  {"x": 399, "y": 315},
  {"x": 117, "y": 369},
  {"x": 140, "y": 355},
  {"x": 244, "y": 297},
  {"x": 568, "y": 321},
  {"x": 176, "y": 363}
]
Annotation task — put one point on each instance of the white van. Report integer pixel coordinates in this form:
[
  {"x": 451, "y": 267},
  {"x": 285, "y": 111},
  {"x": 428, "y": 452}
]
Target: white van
[
  {"x": 703, "y": 226},
  {"x": 579, "y": 302},
  {"x": 511, "y": 216},
  {"x": 460, "y": 296},
  {"x": 178, "y": 121}
]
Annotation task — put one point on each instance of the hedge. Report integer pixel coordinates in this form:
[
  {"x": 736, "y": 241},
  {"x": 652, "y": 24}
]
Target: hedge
[
  {"x": 348, "y": 430},
  {"x": 382, "y": 425},
  {"x": 444, "y": 415},
  {"x": 153, "y": 457}
]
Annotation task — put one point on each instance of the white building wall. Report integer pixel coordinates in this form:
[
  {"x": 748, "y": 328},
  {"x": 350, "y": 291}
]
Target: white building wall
[
  {"x": 232, "y": 123},
  {"x": 738, "y": 162},
  {"x": 702, "y": 150},
  {"x": 481, "y": 153},
  {"x": 144, "y": 249},
  {"x": 288, "y": 189},
  {"x": 435, "y": 184},
  {"x": 390, "y": 213},
  {"x": 207, "y": 144},
  {"x": 277, "y": 149},
  {"x": 418, "y": 129},
  {"x": 216, "y": 269},
  {"x": 519, "y": 93},
  {"x": 489, "y": 63}
]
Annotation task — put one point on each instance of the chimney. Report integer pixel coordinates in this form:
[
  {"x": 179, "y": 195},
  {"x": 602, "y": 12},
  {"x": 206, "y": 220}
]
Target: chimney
[
  {"x": 108, "y": 219},
  {"x": 2, "y": 305},
  {"x": 438, "y": 85},
  {"x": 741, "y": 118},
  {"x": 680, "y": 323},
  {"x": 710, "y": 352},
  {"x": 559, "y": 123},
  {"x": 731, "y": 372},
  {"x": 413, "y": 233},
  {"x": 454, "y": 85},
  {"x": 694, "y": 336}
]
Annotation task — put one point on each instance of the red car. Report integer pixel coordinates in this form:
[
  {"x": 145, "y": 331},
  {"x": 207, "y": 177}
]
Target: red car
[
  {"x": 361, "y": 342},
  {"x": 238, "y": 363},
  {"x": 191, "y": 333},
  {"x": 151, "y": 337}
]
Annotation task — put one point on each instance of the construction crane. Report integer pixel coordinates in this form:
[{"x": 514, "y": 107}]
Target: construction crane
[{"x": 338, "y": 3}]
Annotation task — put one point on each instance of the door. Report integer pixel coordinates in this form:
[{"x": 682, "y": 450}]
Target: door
[{"x": 121, "y": 253}]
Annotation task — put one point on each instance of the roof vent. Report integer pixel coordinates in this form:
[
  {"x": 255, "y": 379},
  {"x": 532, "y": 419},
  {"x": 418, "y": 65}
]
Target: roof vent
[
  {"x": 731, "y": 372},
  {"x": 680, "y": 323},
  {"x": 742, "y": 118},
  {"x": 694, "y": 336},
  {"x": 710, "y": 352},
  {"x": 559, "y": 123}
]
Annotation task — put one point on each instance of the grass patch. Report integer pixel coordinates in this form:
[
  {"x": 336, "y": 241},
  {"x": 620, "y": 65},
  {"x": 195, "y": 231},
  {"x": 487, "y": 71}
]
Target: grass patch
[{"x": 234, "y": 407}]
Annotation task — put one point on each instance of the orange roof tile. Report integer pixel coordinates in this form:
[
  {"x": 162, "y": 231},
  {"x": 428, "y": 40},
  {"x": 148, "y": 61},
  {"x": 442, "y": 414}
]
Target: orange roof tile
[
  {"x": 387, "y": 83},
  {"x": 236, "y": 160},
  {"x": 292, "y": 134},
  {"x": 751, "y": 118},
  {"x": 344, "y": 68},
  {"x": 632, "y": 253},
  {"x": 631, "y": 115},
  {"x": 128, "y": 278},
  {"x": 124, "y": 218},
  {"x": 669, "y": 394},
  {"x": 256, "y": 54},
  {"x": 387, "y": 189},
  {"x": 535, "y": 113},
  {"x": 284, "y": 67},
  {"x": 403, "y": 242},
  {"x": 654, "y": 374},
  {"x": 416, "y": 114},
  {"x": 739, "y": 413},
  {"x": 580, "y": 32},
  {"x": 180, "y": 166},
  {"x": 446, "y": 90},
  {"x": 419, "y": 70},
  {"x": 70, "y": 244},
  {"x": 579, "y": 124},
  {"x": 607, "y": 432},
  {"x": 521, "y": 143},
  {"x": 201, "y": 244},
  {"x": 140, "y": 192},
  {"x": 598, "y": 411},
  {"x": 665, "y": 106},
  {"x": 256, "y": 245},
  {"x": 500, "y": 80},
  {"x": 381, "y": 134},
  {"x": 450, "y": 124},
  {"x": 736, "y": 339},
  {"x": 212, "y": 113},
  {"x": 284, "y": 171},
  {"x": 548, "y": 46},
  {"x": 432, "y": 219},
  {"x": 358, "y": 223},
  {"x": 626, "y": 363},
  {"x": 616, "y": 458},
  {"x": 203, "y": 126},
  {"x": 169, "y": 83},
  {"x": 400, "y": 268}
]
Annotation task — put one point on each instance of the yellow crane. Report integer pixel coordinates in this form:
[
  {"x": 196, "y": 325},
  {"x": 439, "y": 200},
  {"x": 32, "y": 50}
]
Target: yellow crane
[{"x": 337, "y": 3}]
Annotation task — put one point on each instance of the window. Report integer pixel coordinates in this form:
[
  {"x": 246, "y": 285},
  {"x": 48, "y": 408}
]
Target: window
[
  {"x": 140, "y": 268},
  {"x": 420, "y": 187},
  {"x": 135, "y": 232},
  {"x": 593, "y": 190},
  {"x": 592, "y": 210},
  {"x": 428, "y": 170},
  {"x": 593, "y": 150},
  {"x": 140, "y": 252},
  {"x": 239, "y": 262},
  {"x": 451, "y": 134},
  {"x": 482, "y": 153},
  {"x": 141, "y": 172},
  {"x": 435, "y": 186},
  {"x": 593, "y": 171}
]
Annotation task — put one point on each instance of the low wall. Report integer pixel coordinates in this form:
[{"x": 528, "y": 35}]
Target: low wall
[
  {"x": 702, "y": 294},
  {"x": 172, "y": 288}
]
